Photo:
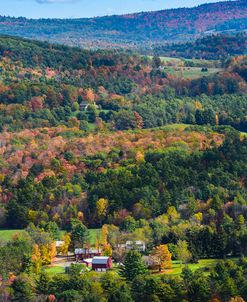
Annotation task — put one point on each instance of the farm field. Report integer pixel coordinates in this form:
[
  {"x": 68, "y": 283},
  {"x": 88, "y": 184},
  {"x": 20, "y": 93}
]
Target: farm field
[
  {"x": 191, "y": 72},
  {"x": 175, "y": 66}
]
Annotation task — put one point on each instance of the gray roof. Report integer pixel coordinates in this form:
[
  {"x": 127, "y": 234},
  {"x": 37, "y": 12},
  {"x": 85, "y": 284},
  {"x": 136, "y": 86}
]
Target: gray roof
[
  {"x": 100, "y": 260},
  {"x": 87, "y": 251}
]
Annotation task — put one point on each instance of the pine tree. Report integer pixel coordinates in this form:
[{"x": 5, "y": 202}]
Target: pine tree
[
  {"x": 133, "y": 265},
  {"x": 43, "y": 283}
]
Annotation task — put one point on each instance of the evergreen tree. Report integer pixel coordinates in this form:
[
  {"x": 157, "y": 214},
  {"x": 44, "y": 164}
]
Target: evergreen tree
[
  {"x": 133, "y": 265},
  {"x": 43, "y": 283}
]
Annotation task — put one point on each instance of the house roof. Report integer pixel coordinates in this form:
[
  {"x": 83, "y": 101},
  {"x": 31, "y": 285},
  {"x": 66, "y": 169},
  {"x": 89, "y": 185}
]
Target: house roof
[
  {"x": 135, "y": 242},
  {"x": 87, "y": 251},
  {"x": 100, "y": 260},
  {"x": 59, "y": 243}
]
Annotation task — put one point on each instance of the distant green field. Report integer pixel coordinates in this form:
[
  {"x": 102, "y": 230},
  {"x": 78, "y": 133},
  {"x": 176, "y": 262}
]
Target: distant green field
[
  {"x": 173, "y": 59},
  {"x": 188, "y": 72},
  {"x": 170, "y": 59},
  {"x": 191, "y": 72}
]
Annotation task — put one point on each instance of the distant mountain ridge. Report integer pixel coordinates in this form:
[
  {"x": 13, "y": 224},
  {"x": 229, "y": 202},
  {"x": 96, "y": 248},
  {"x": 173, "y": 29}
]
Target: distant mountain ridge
[{"x": 133, "y": 30}]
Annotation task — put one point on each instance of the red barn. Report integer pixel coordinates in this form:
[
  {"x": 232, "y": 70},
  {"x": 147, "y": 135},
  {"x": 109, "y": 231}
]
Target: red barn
[{"x": 101, "y": 264}]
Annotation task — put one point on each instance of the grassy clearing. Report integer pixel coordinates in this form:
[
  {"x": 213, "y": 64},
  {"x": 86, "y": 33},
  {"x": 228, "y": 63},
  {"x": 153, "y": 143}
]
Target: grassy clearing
[
  {"x": 199, "y": 62},
  {"x": 204, "y": 264},
  {"x": 191, "y": 72},
  {"x": 173, "y": 127},
  {"x": 94, "y": 235},
  {"x": 176, "y": 68},
  {"x": 243, "y": 134},
  {"x": 170, "y": 59},
  {"x": 7, "y": 235},
  {"x": 54, "y": 270}
]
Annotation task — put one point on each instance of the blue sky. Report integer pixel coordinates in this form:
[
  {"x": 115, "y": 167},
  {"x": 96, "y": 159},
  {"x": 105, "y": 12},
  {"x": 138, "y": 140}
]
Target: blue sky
[{"x": 86, "y": 8}]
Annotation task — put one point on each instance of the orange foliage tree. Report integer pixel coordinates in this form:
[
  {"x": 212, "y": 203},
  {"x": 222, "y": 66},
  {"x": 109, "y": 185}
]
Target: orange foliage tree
[{"x": 161, "y": 257}]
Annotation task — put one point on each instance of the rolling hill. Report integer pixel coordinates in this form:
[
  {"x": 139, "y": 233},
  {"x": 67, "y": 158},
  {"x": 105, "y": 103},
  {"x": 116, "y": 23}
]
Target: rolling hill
[
  {"x": 212, "y": 47},
  {"x": 132, "y": 30}
]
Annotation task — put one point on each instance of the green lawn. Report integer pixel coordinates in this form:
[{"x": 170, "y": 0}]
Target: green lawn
[
  {"x": 7, "y": 235},
  {"x": 94, "y": 234},
  {"x": 54, "y": 270},
  {"x": 205, "y": 264}
]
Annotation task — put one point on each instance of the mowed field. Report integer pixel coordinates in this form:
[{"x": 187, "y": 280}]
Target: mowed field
[
  {"x": 204, "y": 264},
  {"x": 191, "y": 72},
  {"x": 175, "y": 66},
  {"x": 7, "y": 235}
]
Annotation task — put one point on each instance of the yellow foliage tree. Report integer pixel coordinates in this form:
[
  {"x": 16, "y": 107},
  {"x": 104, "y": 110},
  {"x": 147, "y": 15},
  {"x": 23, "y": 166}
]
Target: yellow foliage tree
[
  {"x": 198, "y": 217},
  {"x": 80, "y": 216},
  {"x": 104, "y": 234},
  {"x": 162, "y": 257},
  {"x": 108, "y": 250},
  {"x": 36, "y": 259},
  {"x": 101, "y": 207},
  {"x": 48, "y": 252},
  {"x": 64, "y": 249},
  {"x": 32, "y": 215},
  {"x": 45, "y": 254},
  {"x": 140, "y": 156},
  {"x": 172, "y": 213},
  {"x": 53, "y": 250},
  {"x": 237, "y": 299}
]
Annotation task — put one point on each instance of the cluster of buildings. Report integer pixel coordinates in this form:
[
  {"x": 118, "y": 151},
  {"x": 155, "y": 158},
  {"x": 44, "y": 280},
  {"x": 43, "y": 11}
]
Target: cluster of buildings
[{"x": 94, "y": 258}]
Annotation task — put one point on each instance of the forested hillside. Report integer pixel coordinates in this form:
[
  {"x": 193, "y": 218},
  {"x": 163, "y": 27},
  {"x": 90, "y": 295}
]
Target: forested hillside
[
  {"x": 133, "y": 30},
  {"x": 60, "y": 110},
  {"x": 49, "y": 85},
  {"x": 102, "y": 150},
  {"x": 212, "y": 47}
]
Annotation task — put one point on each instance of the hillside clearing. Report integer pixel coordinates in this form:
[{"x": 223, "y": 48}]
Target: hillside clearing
[{"x": 8, "y": 235}]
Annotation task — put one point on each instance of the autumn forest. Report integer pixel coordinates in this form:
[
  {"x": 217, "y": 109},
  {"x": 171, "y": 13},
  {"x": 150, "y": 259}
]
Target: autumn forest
[{"x": 126, "y": 154}]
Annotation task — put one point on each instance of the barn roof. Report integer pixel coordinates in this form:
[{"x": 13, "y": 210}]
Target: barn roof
[{"x": 100, "y": 260}]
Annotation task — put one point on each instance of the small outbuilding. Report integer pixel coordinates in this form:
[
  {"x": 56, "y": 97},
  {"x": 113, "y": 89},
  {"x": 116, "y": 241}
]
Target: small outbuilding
[{"x": 101, "y": 264}]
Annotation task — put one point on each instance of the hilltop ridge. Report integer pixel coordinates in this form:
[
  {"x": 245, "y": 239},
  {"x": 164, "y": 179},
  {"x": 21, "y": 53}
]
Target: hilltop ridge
[{"x": 134, "y": 30}]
